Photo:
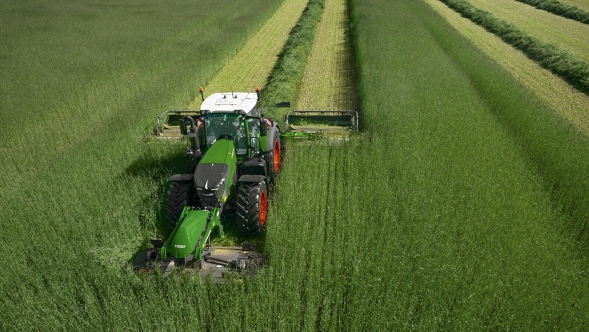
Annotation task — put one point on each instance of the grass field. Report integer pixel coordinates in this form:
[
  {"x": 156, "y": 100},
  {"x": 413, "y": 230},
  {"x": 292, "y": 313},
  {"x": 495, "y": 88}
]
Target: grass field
[
  {"x": 252, "y": 65},
  {"x": 582, "y": 4},
  {"x": 567, "y": 34},
  {"x": 463, "y": 208},
  {"x": 329, "y": 82},
  {"x": 555, "y": 92}
]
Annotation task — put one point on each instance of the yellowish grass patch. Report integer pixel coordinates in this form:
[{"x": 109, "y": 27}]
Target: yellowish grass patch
[
  {"x": 567, "y": 34},
  {"x": 567, "y": 101},
  {"x": 251, "y": 66},
  {"x": 329, "y": 81}
]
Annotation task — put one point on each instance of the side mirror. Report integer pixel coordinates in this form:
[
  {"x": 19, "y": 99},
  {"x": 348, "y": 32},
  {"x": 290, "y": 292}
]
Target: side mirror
[
  {"x": 183, "y": 127},
  {"x": 283, "y": 104}
]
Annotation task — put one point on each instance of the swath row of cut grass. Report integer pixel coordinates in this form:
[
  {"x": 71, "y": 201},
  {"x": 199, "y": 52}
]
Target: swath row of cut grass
[
  {"x": 556, "y": 93},
  {"x": 329, "y": 79},
  {"x": 559, "y": 8},
  {"x": 583, "y": 4},
  {"x": 252, "y": 65},
  {"x": 568, "y": 35}
]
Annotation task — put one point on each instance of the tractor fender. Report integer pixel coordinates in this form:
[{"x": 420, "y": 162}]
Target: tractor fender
[
  {"x": 182, "y": 177},
  {"x": 248, "y": 178}
]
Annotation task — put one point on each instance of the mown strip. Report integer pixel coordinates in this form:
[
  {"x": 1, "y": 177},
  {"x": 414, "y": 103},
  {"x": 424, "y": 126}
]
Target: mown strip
[
  {"x": 564, "y": 33},
  {"x": 285, "y": 79},
  {"x": 559, "y": 8},
  {"x": 573, "y": 70},
  {"x": 252, "y": 65},
  {"x": 557, "y": 93},
  {"x": 329, "y": 82}
]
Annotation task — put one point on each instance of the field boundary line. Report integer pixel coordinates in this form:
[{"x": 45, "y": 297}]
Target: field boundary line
[
  {"x": 568, "y": 102},
  {"x": 251, "y": 66}
]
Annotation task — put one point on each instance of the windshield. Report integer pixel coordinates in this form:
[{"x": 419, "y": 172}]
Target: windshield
[{"x": 226, "y": 125}]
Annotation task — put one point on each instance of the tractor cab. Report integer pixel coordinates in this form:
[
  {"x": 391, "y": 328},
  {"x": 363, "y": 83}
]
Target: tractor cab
[
  {"x": 232, "y": 116},
  {"x": 242, "y": 130}
]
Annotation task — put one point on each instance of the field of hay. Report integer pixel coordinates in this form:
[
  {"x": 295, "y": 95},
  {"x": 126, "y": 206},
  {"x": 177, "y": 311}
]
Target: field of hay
[{"x": 464, "y": 205}]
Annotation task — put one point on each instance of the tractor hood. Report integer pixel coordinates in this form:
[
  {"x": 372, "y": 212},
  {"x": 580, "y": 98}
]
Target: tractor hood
[
  {"x": 215, "y": 174},
  {"x": 187, "y": 234}
]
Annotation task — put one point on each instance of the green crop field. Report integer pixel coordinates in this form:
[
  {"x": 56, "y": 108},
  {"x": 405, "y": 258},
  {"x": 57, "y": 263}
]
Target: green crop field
[{"x": 464, "y": 205}]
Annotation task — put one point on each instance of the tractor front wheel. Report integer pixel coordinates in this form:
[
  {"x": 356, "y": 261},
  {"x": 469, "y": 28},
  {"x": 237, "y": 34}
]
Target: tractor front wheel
[
  {"x": 252, "y": 201},
  {"x": 181, "y": 194}
]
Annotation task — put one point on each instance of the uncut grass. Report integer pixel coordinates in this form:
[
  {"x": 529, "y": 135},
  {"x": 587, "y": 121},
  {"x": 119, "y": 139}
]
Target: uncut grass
[
  {"x": 476, "y": 237},
  {"x": 80, "y": 190}
]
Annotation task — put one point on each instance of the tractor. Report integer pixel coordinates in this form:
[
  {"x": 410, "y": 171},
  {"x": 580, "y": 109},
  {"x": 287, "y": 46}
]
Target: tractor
[{"x": 235, "y": 155}]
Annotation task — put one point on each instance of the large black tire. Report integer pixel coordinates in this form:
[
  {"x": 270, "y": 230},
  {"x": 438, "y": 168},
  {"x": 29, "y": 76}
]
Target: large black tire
[
  {"x": 181, "y": 194},
  {"x": 252, "y": 200}
]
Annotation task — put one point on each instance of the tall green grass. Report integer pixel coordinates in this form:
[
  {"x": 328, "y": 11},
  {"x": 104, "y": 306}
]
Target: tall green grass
[
  {"x": 480, "y": 237},
  {"x": 74, "y": 69},
  {"x": 439, "y": 219},
  {"x": 82, "y": 84}
]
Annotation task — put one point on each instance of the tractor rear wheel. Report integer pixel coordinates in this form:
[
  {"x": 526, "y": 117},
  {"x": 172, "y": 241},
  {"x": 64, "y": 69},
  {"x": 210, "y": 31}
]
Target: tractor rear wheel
[
  {"x": 252, "y": 200},
  {"x": 275, "y": 160},
  {"x": 181, "y": 194}
]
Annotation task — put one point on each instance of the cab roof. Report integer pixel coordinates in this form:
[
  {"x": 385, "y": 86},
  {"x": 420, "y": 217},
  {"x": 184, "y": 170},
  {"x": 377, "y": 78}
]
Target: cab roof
[{"x": 230, "y": 102}]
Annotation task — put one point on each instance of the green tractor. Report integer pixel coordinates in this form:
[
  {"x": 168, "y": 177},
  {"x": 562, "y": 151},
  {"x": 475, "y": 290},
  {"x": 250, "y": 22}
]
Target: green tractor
[{"x": 235, "y": 157}]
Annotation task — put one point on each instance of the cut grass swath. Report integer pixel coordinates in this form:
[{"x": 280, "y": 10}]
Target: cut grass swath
[
  {"x": 573, "y": 70},
  {"x": 329, "y": 82},
  {"x": 555, "y": 92},
  {"x": 559, "y": 8},
  {"x": 566, "y": 34},
  {"x": 252, "y": 65}
]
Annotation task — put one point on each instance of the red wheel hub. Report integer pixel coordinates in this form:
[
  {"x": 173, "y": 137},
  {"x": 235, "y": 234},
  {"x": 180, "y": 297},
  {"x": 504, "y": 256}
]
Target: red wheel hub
[
  {"x": 263, "y": 201},
  {"x": 276, "y": 156}
]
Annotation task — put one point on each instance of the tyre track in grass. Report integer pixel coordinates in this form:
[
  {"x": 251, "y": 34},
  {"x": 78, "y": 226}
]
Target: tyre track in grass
[
  {"x": 251, "y": 66},
  {"x": 329, "y": 78},
  {"x": 554, "y": 91}
]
